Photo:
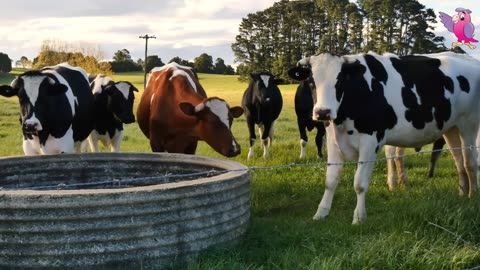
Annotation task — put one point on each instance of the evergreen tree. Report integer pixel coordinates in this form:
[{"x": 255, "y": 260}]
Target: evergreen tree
[{"x": 5, "y": 63}]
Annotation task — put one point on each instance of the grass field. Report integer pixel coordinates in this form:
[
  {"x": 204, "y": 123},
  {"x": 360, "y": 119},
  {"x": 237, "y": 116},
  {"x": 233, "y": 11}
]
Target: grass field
[{"x": 403, "y": 230}]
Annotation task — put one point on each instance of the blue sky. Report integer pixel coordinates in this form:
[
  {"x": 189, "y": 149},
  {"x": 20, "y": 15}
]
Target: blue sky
[{"x": 184, "y": 28}]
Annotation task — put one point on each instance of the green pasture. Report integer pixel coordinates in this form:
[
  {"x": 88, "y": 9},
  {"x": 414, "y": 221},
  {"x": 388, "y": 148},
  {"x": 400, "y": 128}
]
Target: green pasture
[{"x": 427, "y": 226}]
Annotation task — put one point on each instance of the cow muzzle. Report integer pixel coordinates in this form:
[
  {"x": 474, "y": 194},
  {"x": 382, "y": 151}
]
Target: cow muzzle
[
  {"x": 32, "y": 127},
  {"x": 233, "y": 151},
  {"x": 322, "y": 115}
]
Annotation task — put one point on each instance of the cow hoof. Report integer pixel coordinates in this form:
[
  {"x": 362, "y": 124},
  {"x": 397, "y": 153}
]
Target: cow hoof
[{"x": 318, "y": 217}]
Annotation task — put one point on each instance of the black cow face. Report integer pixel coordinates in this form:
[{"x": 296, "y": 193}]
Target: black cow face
[
  {"x": 121, "y": 100},
  {"x": 263, "y": 86},
  {"x": 37, "y": 93}
]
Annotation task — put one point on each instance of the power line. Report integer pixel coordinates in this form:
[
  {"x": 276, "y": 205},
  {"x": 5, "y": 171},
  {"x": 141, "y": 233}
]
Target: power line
[{"x": 146, "y": 37}]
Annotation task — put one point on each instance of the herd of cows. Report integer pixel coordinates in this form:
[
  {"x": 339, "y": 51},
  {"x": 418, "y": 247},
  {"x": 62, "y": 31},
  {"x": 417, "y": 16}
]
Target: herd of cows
[{"x": 361, "y": 102}]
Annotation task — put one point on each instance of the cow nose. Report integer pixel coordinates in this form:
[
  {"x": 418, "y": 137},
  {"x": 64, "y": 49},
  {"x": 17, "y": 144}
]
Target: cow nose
[
  {"x": 30, "y": 127},
  {"x": 234, "y": 151},
  {"x": 323, "y": 114}
]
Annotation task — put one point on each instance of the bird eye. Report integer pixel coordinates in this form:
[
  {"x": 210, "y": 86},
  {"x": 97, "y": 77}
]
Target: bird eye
[{"x": 462, "y": 17}]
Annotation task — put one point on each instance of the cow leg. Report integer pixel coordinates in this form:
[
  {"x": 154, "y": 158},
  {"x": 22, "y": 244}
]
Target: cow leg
[
  {"x": 266, "y": 139},
  {"x": 334, "y": 155},
  {"x": 303, "y": 138},
  {"x": 253, "y": 137},
  {"x": 362, "y": 176},
  {"x": 391, "y": 175},
  {"x": 270, "y": 133},
  {"x": 116, "y": 141},
  {"x": 452, "y": 137},
  {"x": 319, "y": 139},
  {"x": 402, "y": 175},
  {"x": 29, "y": 149},
  {"x": 469, "y": 153},
  {"x": 93, "y": 141},
  {"x": 437, "y": 146}
]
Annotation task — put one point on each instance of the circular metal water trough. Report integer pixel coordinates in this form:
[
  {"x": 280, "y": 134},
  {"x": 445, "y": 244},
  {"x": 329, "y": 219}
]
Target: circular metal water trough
[{"x": 119, "y": 210}]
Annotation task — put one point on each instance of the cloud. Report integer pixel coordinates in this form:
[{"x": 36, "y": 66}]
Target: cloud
[{"x": 180, "y": 25}]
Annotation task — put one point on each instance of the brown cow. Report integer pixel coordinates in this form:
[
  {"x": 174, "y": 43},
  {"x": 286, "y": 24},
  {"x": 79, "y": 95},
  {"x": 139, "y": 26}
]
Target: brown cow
[{"x": 175, "y": 113}]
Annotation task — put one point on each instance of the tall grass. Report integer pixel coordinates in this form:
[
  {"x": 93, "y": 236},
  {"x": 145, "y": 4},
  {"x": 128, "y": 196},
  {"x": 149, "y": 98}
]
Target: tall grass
[{"x": 397, "y": 235}]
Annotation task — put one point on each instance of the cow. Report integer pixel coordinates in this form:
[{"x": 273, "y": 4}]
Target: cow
[
  {"x": 395, "y": 163},
  {"x": 56, "y": 108},
  {"x": 262, "y": 103},
  {"x": 175, "y": 113},
  {"x": 304, "y": 101},
  {"x": 368, "y": 100},
  {"x": 113, "y": 108}
]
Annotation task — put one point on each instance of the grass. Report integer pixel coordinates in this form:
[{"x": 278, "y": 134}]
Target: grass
[{"x": 282, "y": 235}]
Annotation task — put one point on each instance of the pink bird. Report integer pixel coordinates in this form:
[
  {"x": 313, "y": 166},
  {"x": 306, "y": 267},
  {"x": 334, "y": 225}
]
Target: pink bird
[{"x": 460, "y": 24}]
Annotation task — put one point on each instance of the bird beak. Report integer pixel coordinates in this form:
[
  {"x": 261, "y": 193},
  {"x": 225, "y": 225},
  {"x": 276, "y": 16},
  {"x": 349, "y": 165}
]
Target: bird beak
[{"x": 455, "y": 19}]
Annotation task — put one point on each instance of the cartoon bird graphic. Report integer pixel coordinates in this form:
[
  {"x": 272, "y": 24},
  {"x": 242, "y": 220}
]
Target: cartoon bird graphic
[{"x": 460, "y": 24}]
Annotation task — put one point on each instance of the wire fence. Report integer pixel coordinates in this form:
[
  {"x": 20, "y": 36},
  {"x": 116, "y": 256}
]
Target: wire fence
[{"x": 119, "y": 182}]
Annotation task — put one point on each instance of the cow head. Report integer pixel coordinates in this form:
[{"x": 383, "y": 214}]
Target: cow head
[
  {"x": 121, "y": 100},
  {"x": 324, "y": 69},
  {"x": 263, "y": 85},
  {"x": 34, "y": 91},
  {"x": 214, "y": 120}
]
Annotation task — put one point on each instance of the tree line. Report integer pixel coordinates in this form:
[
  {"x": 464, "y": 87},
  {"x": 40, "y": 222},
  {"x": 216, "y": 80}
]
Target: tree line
[
  {"x": 276, "y": 38},
  {"x": 86, "y": 56},
  {"x": 123, "y": 62}
]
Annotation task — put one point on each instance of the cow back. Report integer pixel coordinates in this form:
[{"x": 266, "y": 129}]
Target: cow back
[{"x": 167, "y": 87}]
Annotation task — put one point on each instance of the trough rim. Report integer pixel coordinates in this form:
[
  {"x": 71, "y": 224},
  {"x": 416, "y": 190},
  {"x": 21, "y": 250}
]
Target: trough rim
[{"x": 234, "y": 170}]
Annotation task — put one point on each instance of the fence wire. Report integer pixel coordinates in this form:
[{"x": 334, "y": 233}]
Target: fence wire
[{"x": 119, "y": 182}]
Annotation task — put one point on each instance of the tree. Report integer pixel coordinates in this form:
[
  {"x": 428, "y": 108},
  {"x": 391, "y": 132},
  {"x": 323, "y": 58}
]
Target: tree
[
  {"x": 274, "y": 39},
  {"x": 122, "y": 62},
  {"x": 153, "y": 61},
  {"x": 122, "y": 55},
  {"x": 23, "y": 62},
  {"x": 203, "y": 63},
  {"x": 221, "y": 68},
  {"x": 53, "y": 52},
  {"x": 181, "y": 61},
  {"x": 5, "y": 63}
]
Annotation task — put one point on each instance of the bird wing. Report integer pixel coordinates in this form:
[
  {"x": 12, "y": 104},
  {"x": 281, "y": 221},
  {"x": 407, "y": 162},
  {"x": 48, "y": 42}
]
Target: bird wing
[
  {"x": 468, "y": 30},
  {"x": 447, "y": 21}
]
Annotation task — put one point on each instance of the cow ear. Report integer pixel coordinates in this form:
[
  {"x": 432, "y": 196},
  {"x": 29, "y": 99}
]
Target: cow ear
[
  {"x": 133, "y": 88},
  {"x": 236, "y": 111},
  {"x": 8, "y": 91},
  {"x": 57, "y": 89},
  {"x": 299, "y": 73},
  {"x": 187, "y": 108}
]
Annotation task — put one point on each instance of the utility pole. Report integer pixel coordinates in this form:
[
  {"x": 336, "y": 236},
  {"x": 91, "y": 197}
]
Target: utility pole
[{"x": 146, "y": 37}]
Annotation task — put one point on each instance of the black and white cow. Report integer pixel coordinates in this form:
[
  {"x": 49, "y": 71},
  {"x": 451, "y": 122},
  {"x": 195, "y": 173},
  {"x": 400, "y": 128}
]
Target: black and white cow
[
  {"x": 304, "y": 101},
  {"x": 113, "y": 108},
  {"x": 370, "y": 100},
  {"x": 56, "y": 108},
  {"x": 262, "y": 103}
]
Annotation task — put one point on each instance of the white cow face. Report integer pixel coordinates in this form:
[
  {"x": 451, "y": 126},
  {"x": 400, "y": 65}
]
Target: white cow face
[{"x": 324, "y": 70}]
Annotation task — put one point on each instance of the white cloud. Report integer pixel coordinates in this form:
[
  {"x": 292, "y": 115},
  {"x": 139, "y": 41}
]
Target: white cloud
[{"x": 200, "y": 24}]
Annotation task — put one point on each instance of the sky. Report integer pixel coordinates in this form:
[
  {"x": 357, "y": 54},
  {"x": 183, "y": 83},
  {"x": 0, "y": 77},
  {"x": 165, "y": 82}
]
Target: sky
[{"x": 184, "y": 28}]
